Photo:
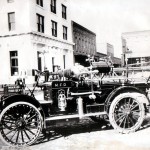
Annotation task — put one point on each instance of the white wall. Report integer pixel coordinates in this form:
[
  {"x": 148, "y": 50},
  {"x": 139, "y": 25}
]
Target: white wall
[
  {"x": 25, "y": 17},
  {"x": 55, "y": 49},
  {"x": 14, "y": 43},
  {"x": 48, "y": 16},
  {"x": 138, "y": 43},
  {"x": 21, "y": 9},
  {"x": 26, "y": 44}
]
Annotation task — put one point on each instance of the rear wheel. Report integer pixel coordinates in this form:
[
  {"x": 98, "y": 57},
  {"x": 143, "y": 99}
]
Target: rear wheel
[
  {"x": 21, "y": 124},
  {"x": 126, "y": 113}
]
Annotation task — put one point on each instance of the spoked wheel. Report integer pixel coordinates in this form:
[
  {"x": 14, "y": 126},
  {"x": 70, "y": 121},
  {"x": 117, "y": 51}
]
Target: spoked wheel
[
  {"x": 21, "y": 124},
  {"x": 126, "y": 113}
]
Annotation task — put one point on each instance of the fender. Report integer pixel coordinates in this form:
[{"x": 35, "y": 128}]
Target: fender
[
  {"x": 124, "y": 89},
  {"x": 142, "y": 98},
  {"x": 22, "y": 98}
]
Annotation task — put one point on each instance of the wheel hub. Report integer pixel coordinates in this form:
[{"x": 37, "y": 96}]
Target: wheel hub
[
  {"x": 127, "y": 111},
  {"x": 20, "y": 124}
]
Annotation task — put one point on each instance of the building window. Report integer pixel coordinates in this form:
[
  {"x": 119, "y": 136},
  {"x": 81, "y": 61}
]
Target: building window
[
  {"x": 39, "y": 59},
  {"x": 64, "y": 33},
  {"x": 40, "y": 2},
  {"x": 11, "y": 21},
  {"x": 54, "y": 28},
  {"x": 64, "y": 60},
  {"x": 53, "y": 64},
  {"x": 10, "y": 1},
  {"x": 14, "y": 63},
  {"x": 40, "y": 23},
  {"x": 64, "y": 12},
  {"x": 53, "y": 6}
]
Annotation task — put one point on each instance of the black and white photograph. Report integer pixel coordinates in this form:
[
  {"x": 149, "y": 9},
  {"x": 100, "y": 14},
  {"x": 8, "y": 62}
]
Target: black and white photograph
[{"x": 74, "y": 74}]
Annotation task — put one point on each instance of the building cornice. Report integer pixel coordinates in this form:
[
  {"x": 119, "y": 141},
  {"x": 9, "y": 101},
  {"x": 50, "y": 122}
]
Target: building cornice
[
  {"x": 82, "y": 28},
  {"x": 135, "y": 33},
  {"x": 38, "y": 34},
  {"x": 51, "y": 38}
]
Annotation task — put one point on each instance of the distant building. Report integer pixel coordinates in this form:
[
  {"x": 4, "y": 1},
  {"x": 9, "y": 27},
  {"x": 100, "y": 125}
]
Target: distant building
[
  {"x": 116, "y": 61},
  {"x": 35, "y": 34},
  {"x": 99, "y": 55},
  {"x": 108, "y": 50},
  {"x": 137, "y": 44},
  {"x": 85, "y": 43}
]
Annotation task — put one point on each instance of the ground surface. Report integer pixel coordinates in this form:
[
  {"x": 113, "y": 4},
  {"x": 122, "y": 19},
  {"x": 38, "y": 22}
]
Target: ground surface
[{"x": 87, "y": 135}]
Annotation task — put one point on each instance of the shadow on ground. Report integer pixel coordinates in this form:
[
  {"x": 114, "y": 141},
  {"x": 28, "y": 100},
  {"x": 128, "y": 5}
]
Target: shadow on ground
[
  {"x": 84, "y": 126},
  {"x": 146, "y": 124}
]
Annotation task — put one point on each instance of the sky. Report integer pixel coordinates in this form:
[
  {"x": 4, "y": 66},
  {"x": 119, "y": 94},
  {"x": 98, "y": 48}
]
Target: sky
[{"x": 110, "y": 18}]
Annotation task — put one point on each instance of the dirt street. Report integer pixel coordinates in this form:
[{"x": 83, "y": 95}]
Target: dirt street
[{"x": 88, "y": 135}]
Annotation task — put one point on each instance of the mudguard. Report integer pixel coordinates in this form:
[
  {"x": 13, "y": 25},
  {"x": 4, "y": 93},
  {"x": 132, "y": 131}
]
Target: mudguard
[
  {"x": 22, "y": 98},
  {"x": 126, "y": 89}
]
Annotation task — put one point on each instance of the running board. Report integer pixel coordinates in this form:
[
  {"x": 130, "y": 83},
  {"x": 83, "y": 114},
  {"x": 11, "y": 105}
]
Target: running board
[{"x": 75, "y": 116}]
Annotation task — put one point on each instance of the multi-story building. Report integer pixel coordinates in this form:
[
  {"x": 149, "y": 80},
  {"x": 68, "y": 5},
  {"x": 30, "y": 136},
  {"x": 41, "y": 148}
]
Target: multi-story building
[
  {"x": 135, "y": 47},
  {"x": 34, "y": 34},
  {"x": 85, "y": 43}
]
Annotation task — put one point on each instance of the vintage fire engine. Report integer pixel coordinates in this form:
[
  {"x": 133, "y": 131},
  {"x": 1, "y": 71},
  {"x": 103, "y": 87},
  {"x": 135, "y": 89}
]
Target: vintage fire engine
[{"x": 70, "y": 96}]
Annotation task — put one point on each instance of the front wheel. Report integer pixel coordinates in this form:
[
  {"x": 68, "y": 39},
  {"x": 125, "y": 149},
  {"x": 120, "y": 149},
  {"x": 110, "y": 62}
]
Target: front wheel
[
  {"x": 126, "y": 112},
  {"x": 21, "y": 124}
]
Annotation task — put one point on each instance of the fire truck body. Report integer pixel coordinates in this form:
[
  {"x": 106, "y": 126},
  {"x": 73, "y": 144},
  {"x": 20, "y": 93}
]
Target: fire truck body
[{"x": 123, "y": 102}]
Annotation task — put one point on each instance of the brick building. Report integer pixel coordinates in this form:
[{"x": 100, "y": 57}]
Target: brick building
[{"x": 85, "y": 43}]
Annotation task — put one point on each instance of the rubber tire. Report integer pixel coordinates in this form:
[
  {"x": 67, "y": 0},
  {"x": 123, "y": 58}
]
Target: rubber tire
[
  {"x": 41, "y": 122},
  {"x": 112, "y": 109}
]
